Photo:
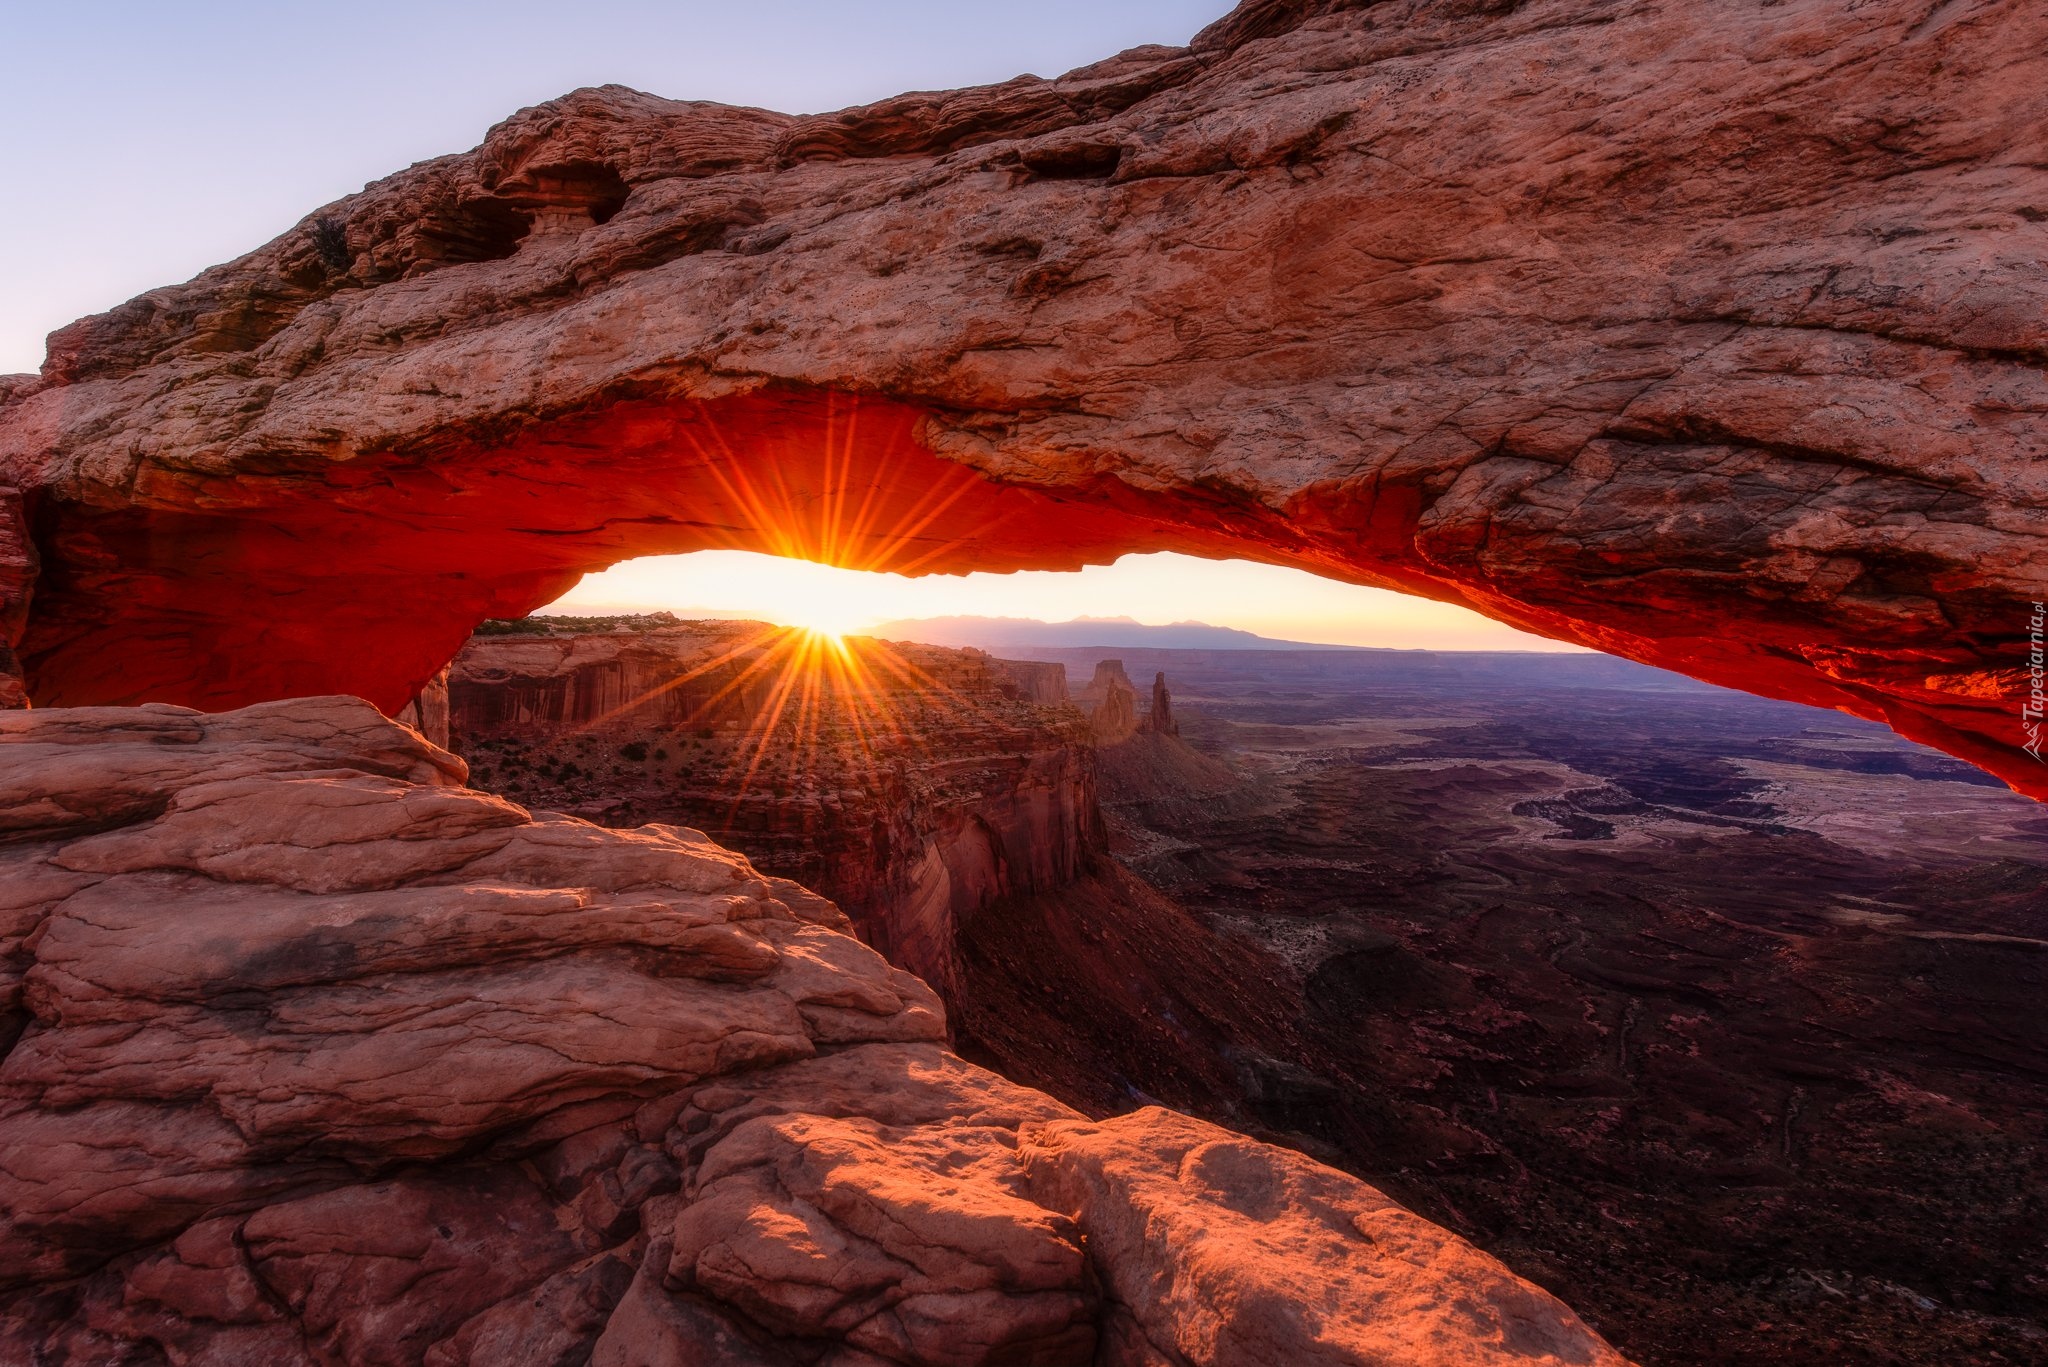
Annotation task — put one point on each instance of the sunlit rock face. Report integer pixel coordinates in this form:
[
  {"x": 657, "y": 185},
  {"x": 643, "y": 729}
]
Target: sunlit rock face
[
  {"x": 1112, "y": 702},
  {"x": 914, "y": 785},
  {"x": 1710, "y": 334},
  {"x": 315, "y": 1055}
]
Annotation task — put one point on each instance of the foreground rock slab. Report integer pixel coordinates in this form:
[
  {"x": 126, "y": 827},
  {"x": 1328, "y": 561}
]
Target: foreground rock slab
[
  {"x": 1702, "y": 332},
  {"x": 315, "y": 1056}
]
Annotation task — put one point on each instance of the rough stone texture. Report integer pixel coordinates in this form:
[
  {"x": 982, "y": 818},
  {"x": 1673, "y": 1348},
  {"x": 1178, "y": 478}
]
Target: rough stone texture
[
  {"x": 17, "y": 574},
  {"x": 913, "y": 785},
  {"x": 1111, "y": 700},
  {"x": 1112, "y": 703},
  {"x": 1709, "y": 334},
  {"x": 1202, "y": 1233},
  {"x": 1040, "y": 681},
  {"x": 317, "y": 1056},
  {"x": 428, "y": 713},
  {"x": 1160, "y": 720}
]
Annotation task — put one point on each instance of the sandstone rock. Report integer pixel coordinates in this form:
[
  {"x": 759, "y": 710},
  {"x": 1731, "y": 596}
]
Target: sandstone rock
[
  {"x": 17, "y": 580},
  {"x": 417, "y": 1076},
  {"x": 1039, "y": 681},
  {"x": 1113, "y": 716},
  {"x": 1159, "y": 721},
  {"x": 1708, "y": 334},
  {"x": 906, "y": 1242},
  {"x": 428, "y": 712},
  {"x": 913, "y": 785},
  {"x": 1108, "y": 674},
  {"x": 1202, "y": 1235}
]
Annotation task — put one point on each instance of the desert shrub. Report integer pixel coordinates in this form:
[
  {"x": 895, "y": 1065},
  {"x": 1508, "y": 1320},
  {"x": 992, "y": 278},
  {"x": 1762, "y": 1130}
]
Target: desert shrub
[
  {"x": 523, "y": 626},
  {"x": 330, "y": 240},
  {"x": 633, "y": 750}
]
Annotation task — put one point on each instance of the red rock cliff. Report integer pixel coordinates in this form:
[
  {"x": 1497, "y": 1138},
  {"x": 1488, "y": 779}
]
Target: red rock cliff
[
  {"x": 913, "y": 785},
  {"x": 1705, "y": 332},
  {"x": 1160, "y": 720}
]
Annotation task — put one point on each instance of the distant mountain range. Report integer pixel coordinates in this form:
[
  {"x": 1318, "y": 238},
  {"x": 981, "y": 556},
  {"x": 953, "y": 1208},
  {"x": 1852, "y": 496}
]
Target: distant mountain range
[{"x": 1001, "y": 633}]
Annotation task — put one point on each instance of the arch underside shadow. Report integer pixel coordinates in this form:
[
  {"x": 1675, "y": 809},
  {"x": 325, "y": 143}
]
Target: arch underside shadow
[{"x": 366, "y": 578}]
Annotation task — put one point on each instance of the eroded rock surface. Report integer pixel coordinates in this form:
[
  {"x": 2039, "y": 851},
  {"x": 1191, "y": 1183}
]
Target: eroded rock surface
[
  {"x": 913, "y": 785},
  {"x": 1709, "y": 334},
  {"x": 1111, "y": 700},
  {"x": 317, "y": 1056},
  {"x": 1203, "y": 1235}
]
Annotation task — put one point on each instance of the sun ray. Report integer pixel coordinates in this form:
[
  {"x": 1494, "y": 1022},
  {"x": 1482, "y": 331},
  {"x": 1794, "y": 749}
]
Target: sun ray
[{"x": 686, "y": 677}]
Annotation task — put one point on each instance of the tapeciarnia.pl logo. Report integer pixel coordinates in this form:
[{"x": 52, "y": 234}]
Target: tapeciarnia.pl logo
[{"x": 2036, "y": 702}]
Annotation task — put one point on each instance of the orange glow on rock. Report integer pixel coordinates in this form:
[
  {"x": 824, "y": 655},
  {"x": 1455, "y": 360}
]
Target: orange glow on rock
[{"x": 365, "y": 576}]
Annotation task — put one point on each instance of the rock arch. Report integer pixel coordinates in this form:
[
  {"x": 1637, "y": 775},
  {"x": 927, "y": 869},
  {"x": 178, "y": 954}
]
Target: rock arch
[{"x": 1711, "y": 335}]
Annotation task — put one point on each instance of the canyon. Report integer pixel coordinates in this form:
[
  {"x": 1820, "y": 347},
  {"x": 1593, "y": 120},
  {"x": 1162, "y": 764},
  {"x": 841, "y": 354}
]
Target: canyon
[
  {"x": 1695, "y": 1008},
  {"x": 1707, "y": 335},
  {"x": 1681, "y": 1003},
  {"x": 317, "y": 1055},
  {"x": 911, "y": 785},
  {"x": 945, "y": 800}
]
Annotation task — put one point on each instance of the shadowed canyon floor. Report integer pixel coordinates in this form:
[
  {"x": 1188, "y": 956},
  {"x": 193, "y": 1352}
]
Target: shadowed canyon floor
[
  {"x": 1711, "y": 1014},
  {"x": 1719, "y": 1017}
]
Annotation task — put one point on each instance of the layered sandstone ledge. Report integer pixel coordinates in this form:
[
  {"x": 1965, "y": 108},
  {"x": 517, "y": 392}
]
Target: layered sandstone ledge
[
  {"x": 1705, "y": 332},
  {"x": 316, "y": 1055},
  {"x": 913, "y": 785}
]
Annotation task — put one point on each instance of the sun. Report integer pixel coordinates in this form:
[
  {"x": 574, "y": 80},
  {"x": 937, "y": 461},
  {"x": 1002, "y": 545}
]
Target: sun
[
  {"x": 826, "y": 636},
  {"x": 832, "y": 621}
]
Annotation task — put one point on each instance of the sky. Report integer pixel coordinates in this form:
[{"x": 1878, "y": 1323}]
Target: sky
[
  {"x": 148, "y": 141},
  {"x": 1289, "y": 605}
]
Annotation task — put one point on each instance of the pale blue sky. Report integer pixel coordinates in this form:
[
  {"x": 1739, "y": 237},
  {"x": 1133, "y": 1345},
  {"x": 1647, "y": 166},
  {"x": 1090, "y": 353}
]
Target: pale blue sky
[{"x": 147, "y": 141}]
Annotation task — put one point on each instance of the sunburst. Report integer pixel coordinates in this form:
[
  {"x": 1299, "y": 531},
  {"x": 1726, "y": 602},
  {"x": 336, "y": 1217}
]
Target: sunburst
[
  {"x": 824, "y": 687},
  {"x": 828, "y": 698}
]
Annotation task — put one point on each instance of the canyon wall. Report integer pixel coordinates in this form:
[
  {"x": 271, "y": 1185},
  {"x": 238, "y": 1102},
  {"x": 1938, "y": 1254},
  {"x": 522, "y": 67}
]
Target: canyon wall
[
  {"x": 913, "y": 785},
  {"x": 927, "y": 792},
  {"x": 1036, "y": 680},
  {"x": 1703, "y": 332},
  {"x": 428, "y": 712},
  {"x": 313, "y": 1054},
  {"x": 17, "y": 575},
  {"x": 1111, "y": 701}
]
